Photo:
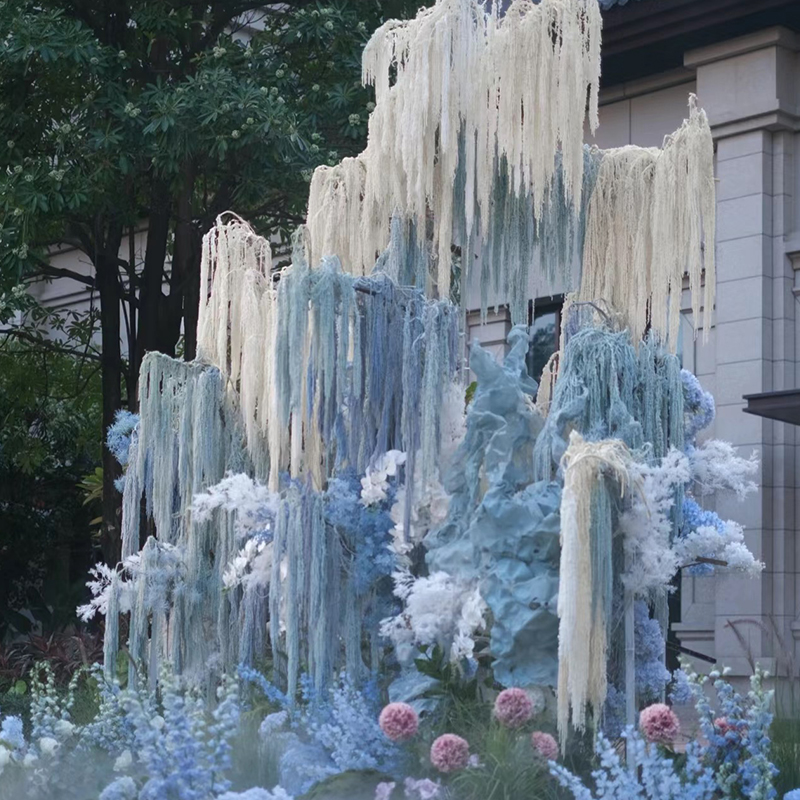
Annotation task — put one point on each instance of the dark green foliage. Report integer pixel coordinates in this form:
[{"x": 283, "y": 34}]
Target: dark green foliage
[
  {"x": 156, "y": 117},
  {"x": 453, "y": 685},
  {"x": 49, "y": 439},
  {"x": 223, "y": 105},
  {"x": 353, "y": 785}
]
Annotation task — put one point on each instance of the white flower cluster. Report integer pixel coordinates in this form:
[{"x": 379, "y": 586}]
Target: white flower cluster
[
  {"x": 252, "y": 564},
  {"x": 727, "y": 546},
  {"x": 652, "y": 551},
  {"x": 438, "y": 610},
  {"x": 255, "y": 505},
  {"x": 717, "y": 467},
  {"x": 374, "y": 483},
  {"x": 646, "y": 524},
  {"x": 170, "y": 568}
]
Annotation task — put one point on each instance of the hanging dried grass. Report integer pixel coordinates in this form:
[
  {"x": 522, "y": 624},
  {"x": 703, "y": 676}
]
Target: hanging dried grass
[
  {"x": 591, "y": 471},
  {"x": 473, "y": 90},
  {"x": 651, "y": 212}
]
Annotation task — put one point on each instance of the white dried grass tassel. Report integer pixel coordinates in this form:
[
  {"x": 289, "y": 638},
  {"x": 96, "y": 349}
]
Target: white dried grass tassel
[
  {"x": 514, "y": 87},
  {"x": 649, "y": 216},
  {"x": 582, "y": 625}
]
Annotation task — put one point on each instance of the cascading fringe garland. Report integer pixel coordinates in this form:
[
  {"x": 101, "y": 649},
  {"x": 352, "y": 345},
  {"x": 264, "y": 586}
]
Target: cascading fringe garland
[
  {"x": 187, "y": 438},
  {"x": 470, "y": 87},
  {"x": 316, "y": 376},
  {"x": 593, "y": 473},
  {"x": 626, "y": 234},
  {"x": 237, "y": 316},
  {"x": 307, "y": 377},
  {"x": 606, "y": 389},
  {"x": 648, "y": 218},
  {"x": 516, "y": 252},
  {"x": 331, "y": 370}
]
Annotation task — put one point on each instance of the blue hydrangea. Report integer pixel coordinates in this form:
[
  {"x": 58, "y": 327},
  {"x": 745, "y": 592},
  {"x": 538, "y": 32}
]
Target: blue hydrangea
[
  {"x": 651, "y": 674},
  {"x": 699, "y": 408},
  {"x": 681, "y": 693},
  {"x": 614, "y": 713},
  {"x": 12, "y": 735},
  {"x": 118, "y": 438},
  {"x": 366, "y": 530},
  {"x": 695, "y": 516}
]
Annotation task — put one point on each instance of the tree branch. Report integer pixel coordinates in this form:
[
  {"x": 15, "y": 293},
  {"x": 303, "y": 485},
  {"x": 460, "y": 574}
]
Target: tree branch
[
  {"x": 48, "y": 344},
  {"x": 48, "y": 270}
]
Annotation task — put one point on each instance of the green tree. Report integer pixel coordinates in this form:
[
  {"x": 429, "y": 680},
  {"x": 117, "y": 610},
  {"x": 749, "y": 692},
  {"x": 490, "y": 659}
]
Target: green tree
[
  {"x": 156, "y": 116},
  {"x": 49, "y": 440}
]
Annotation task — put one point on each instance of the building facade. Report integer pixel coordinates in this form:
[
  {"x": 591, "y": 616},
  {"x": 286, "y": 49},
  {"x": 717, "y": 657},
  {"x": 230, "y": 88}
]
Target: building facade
[{"x": 742, "y": 60}]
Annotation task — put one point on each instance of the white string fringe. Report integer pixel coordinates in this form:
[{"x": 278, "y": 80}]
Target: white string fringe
[
  {"x": 582, "y": 636},
  {"x": 651, "y": 212},
  {"x": 512, "y": 88}
]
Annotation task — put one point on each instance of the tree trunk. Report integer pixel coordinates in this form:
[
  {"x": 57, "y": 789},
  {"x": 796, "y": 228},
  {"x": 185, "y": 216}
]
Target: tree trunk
[
  {"x": 185, "y": 278},
  {"x": 108, "y": 286},
  {"x": 151, "y": 298}
]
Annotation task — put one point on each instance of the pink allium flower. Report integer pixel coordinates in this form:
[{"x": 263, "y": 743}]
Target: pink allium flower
[
  {"x": 659, "y": 724},
  {"x": 383, "y": 791},
  {"x": 513, "y": 708},
  {"x": 449, "y": 753},
  {"x": 399, "y": 721},
  {"x": 545, "y": 745}
]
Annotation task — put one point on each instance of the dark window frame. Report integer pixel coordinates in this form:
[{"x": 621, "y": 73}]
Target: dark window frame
[{"x": 538, "y": 308}]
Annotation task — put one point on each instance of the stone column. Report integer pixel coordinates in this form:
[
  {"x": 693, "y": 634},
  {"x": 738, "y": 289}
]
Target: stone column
[{"x": 749, "y": 88}]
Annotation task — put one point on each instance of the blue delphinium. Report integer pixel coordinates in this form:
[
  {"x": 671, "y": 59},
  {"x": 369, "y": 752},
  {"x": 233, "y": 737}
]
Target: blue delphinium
[
  {"x": 681, "y": 693},
  {"x": 331, "y": 732},
  {"x": 738, "y": 736},
  {"x": 657, "y": 778},
  {"x": 347, "y": 727},
  {"x": 651, "y": 674},
  {"x": 181, "y": 751},
  {"x": 50, "y": 709},
  {"x": 110, "y": 730},
  {"x": 733, "y": 761},
  {"x": 12, "y": 736},
  {"x": 271, "y": 692}
]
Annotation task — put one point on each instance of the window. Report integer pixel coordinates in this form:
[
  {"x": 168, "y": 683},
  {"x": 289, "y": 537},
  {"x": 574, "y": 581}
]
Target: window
[{"x": 544, "y": 324}]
